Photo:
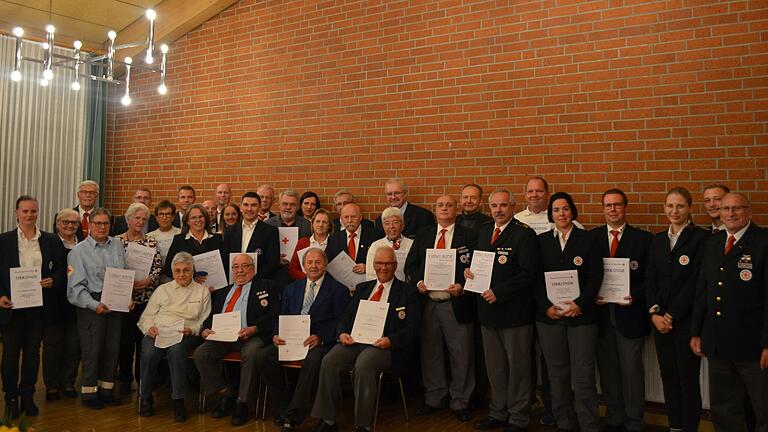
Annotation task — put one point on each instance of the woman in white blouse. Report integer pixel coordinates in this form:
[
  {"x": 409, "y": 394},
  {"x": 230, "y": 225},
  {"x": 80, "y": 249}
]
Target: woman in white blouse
[{"x": 393, "y": 223}]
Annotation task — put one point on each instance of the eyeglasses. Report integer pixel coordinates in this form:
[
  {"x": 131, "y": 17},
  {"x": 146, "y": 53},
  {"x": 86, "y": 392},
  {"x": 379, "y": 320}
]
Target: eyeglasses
[
  {"x": 734, "y": 209},
  {"x": 100, "y": 224},
  {"x": 164, "y": 214},
  {"x": 69, "y": 222},
  {"x": 241, "y": 266}
]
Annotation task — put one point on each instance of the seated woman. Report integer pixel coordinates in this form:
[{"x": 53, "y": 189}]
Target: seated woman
[
  {"x": 321, "y": 230},
  {"x": 181, "y": 300}
]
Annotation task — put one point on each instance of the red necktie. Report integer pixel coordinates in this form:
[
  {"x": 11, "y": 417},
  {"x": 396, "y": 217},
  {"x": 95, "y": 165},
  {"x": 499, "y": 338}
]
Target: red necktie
[
  {"x": 233, "y": 300},
  {"x": 496, "y": 234},
  {"x": 351, "y": 246},
  {"x": 729, "y": 245},
  {"x": 441, "y": 240},
  {"x": 85, "y": 224},
  {"x": 614, "y": 242},
  {"x": 377, "y": 295}
]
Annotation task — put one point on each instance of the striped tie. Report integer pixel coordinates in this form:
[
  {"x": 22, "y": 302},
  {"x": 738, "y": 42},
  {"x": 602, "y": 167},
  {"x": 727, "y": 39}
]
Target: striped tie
[{"x": 309, "y": 298}]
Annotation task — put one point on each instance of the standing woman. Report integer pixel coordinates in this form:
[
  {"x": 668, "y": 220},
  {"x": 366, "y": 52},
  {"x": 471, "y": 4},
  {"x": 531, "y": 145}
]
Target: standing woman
[
  {"x": 670, "y": 291},
  {"x": 194, "y": 237},
  {"x": 308, "y": 203},
  {"x": 230, "y": 216},
  {"x": 22, "y": 329},
  {"x": 130, "y": 341},
  {"x": 568, "y": 330},
  {"x": 321, "y": 230}
]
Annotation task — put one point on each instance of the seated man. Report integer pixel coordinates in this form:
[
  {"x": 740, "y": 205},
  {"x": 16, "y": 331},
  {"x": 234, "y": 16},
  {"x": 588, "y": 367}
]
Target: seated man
[
  {"x": 182, "y": 299},
  {"x": 325, "y": 300},
  {"x": 390, "y": 351},
  {"x": 258, "y": 310}
]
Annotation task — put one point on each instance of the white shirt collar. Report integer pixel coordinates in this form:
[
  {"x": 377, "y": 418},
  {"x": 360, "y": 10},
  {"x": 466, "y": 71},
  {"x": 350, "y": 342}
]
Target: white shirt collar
[
  {"x": 206, "y": 235},
  {"x": 22, "y": 237},
  {"x": 740, "y": 233}
]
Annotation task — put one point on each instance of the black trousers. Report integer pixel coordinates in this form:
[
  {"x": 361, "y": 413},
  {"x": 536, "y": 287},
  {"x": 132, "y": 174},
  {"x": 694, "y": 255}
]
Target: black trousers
[
  {"x": 21, "y": 336},
  {"x": 680, "y": 369}
]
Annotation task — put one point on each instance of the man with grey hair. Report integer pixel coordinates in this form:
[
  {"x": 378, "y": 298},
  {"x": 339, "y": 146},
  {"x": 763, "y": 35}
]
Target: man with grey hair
[
  {"x": 87, "y": 196},
  {"x": 393, "y": 237},
  {"x": 144, "y": 196},
  {"x": 340, "y": 199},
  {"x": 396, "y": 192},
  {"x": 354, "y": 240},
  {"x": 267, "y": 196},
  {"x": 289, "y": 206}
]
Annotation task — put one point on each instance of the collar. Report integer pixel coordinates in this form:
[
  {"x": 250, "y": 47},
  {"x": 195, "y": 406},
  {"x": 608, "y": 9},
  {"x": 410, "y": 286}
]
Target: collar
[
  {"x": 740, "y": 233},
  {"x": 503, "y": 227},
  {"x": 313, "y": 239},
  {"x": 253, "y": 225},
  {"x": 319, "y": 281},
  {"x": 387, "y": 285},
  {"x": 448, "y": 230},
  {"x": 403, "y": 208},
  {"x": 619, "y": 229},
  {"x": 23, "y": 238},
  {"x": 528, "y": 212},
  {"x": 556, "y": 232},
  {"x": 91, "y": 241},
  {"x": 206, "y": 235},
  {"x": 719, "y": 228},
  {"x": 357, "y": 231}
]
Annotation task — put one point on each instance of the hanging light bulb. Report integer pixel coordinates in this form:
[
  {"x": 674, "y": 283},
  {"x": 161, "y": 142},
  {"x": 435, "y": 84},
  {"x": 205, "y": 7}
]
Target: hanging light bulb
[
  {"x": 151, "y": 15},
  {"x": 76, "y": 84},
  {"x": 162, "y": 89},
  {"x": 16, "y": 74},
  {"x": 126, "y": 99}
]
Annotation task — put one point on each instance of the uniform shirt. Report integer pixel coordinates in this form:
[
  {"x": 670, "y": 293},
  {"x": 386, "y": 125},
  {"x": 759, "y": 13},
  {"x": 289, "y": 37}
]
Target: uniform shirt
[
  {"x": 563, "y": 238},
  {"x": 241, "y": 304},
  {"x": 172, "y": 302},
  {"x": 29, "y": 250},
  {"x": 385, "y": 294},
  {"x": 87, "y": 263}
]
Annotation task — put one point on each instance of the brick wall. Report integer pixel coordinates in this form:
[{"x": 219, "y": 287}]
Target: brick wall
[{"x": 643, "y": 95}]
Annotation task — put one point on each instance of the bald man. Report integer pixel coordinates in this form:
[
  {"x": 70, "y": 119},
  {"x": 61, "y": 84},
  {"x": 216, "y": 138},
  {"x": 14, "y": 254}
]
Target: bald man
[
  {"x": 354, "y": 239},
  {"x": 223, "y": 199}
]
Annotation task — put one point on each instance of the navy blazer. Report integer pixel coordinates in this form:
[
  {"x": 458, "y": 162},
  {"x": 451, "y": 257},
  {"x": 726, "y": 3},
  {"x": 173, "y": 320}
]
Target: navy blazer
[
  {"x": 671, "y": 275},
  {"x": 54, "y": 266},
  {"x": 415, "y": 218},
  {"x": 261, "y": 311},
  {"x": 731, "y": 310},
  {"x": 326, "y": 311},
  {"x": 464, "y": 241},
  {"x": 337, "y": 243},
  {"x": 265, "y": 241},
  {"x": 181, "y": 244},
  {"x": 631, "y": 321}
]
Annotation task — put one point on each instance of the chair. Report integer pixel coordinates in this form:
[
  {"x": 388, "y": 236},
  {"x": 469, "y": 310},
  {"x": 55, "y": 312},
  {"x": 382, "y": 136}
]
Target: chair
[
  {"x": 232, "y": 357},
  {"x": 378, "y": 395}
]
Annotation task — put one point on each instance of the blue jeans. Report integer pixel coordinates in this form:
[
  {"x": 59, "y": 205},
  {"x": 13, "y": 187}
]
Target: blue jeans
[{"x": 177, "y": 365}]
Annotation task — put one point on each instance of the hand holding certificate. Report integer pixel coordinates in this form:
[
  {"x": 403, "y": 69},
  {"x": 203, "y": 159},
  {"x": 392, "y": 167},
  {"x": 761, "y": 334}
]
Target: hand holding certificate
[
  {"x": 341, "y": 270},
  {"x": 294, "y": 330},
  {"x": 440, "y": 269},
  {"x": 170, "y": 334},
  {"x": 482, "y": 268},
  {"x": 210, "y": 262},
  {"x": 615, "y": 285},
  {"x": 26, "y": 291},
  {"x": 139, "y": 258},
  {"x": 369, "y": 321},
  {"x": 562, "y": 287},
  {"x": 225, "y": 327},
  {"x": 118, "y": 287}
]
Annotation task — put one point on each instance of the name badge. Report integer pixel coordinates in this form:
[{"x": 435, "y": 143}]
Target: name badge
[{"x": 744, "y": 265}]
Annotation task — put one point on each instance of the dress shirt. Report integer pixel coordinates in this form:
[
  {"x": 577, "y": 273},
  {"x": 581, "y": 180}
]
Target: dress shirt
[
  {"x": 610, "y": 236},
  {"x": 241, "y": 304},
  {"x": 738, "y": 234},
  {"x": 719, "y": 228},
  {"x": 317, "y": 283},
  {"x": 501, "y": 228},
  {"x": 313, "y": 243},
  {"x": 87, "y": 263},
  {"x": 247, "y": 234},
  {"x": 357, "y": 240},
  {"x": 673, "y": 237},
  {"x": 563, "y": 238},
  {"x": 448, "y": 234},
  {"x": 29, "y": 250},
  {"x": 68, "y": 244},
  {"x": 82, "y": 213},
  {"x": 405, "y": 247},
  {"x": 172, "y": 302},
  {"x": 403, "y": 207},
  {"x": 385, "y": 294},
  {"x": 206, "y": 235}
]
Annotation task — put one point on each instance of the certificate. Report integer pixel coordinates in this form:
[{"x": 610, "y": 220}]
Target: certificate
[
  {"x": 139, "y": 258},
  {"x": 562, "y": 286},
  {"x": 232, "y": 256},
  {"x": 341, "y": 270},
  {"x": 401, "y": 256},
  {"x": 26, "y": 291},
  {"x": 294, "y": 330},
  {"x": 300, "y": 254},
  {"x": 118, "y": 287},
  {"x": 369, "y": 321},
  {"x": 615, "y": 280},
  {"x": 210, "y": 262},
  {"x": 225, "y": 327},
  {"x": 440, "y": 269},
  {"x": 169, "y": 334},
  {"x": 482, "y": 268},
  {"x": 289, "y": 236}
]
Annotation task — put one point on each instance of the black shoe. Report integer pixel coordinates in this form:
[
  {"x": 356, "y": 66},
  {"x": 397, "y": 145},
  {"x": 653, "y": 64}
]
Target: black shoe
[
  {"x": 145, "y": 408},
  {"x": 69, "y": 393},
  {"x": 489, "y": 423},
  {"x": 52, "y": 396},
  {"x": 288, "y": 426},
  {"x": 240, "y": 415},
  {"x": 12, "y": 407},
  {"x": 322, "y": 426},
  {"x": 109, "y": 399},
  {"x": 426, "y": 410},
  {"x": 514, "y": 428},
  {"x": 463, "y": 415},
  {"x": 93, "y": 403},
  {"x": 28, "y": 406},
  {"x": 179, "y": 410},
  {"x": 224, "y": 408}
]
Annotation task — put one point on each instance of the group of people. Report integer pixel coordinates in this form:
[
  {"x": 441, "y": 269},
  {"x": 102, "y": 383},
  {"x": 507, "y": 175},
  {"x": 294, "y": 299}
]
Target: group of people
[{"x": 701, "y": 290}]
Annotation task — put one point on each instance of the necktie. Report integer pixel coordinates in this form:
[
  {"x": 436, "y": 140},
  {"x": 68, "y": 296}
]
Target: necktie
[
  {"x": 233, "y": 300},
  {"x": 614, "y": 242},
  {"x": 85, "y": 224},
  {"x": 441, "y": 240},
  {"x": 377, "y": 295},
  {"x": 309, "y": 298},
  {"x": 351, "y": 246},
  {"x": 496, "y": 234},
  {"x": 396, "y": 244},
  {"x": 729, "y": 245}
]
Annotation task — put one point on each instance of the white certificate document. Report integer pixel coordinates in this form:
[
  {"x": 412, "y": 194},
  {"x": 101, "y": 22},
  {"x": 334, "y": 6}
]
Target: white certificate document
[
  {"x": 300, "y": 254},
  {"x": 118, "y": 287},
  {"x": 232, "y": 256},
  {"x": 26, "y": 291},
  {"x": 294, "y": 330},
  {"x": 401, "y": 256},
  {"x": 289, "y": 236},
  {"x": 369, "y": 321},
  {"x": 226, "y": 326},
  {"x": 482, "y": 268},
  {"x": 615, "y": 280},
  {"x": 341, "y": 270},
  {"x": 562, "y": 286},
  {"x": 139, "y": 258},
  {"x": 210, "y": 262},
  {"x": 169, "y": 334},
  {"x": 440, "y": 269}
]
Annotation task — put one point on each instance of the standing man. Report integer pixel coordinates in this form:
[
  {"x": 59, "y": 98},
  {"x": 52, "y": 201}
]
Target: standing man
[
  {"x": 267, "y": 195},
  {"x": 340, "y": 199},
  {"x": 623, "y": 327},
  {"x": 713, "y": 194},
  {"x": 506, "y": 313},
  {"x": 223, "y": 199},
  {"x": 186, "y": 197},
  {"x": 730, "y": 317},
  {"x": 143, "y": 196},
  {"x": 258, "y": 307},
  {"x": 449, "y": 314},
  {"x": 210, "y": 207},
  {"x": 253, "y": 236},
  {"x": 471, "y": 215},
  {"x": 289, "y": 206},
  {"x": 98, "y": 327},
  {"x": 415, "y": 217},
  {"x": 87, "y": 195},
  {"x": 353, "y": 240}
]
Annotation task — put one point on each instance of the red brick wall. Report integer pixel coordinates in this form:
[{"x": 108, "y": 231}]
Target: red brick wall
[{"x": 642, "y": 95}]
